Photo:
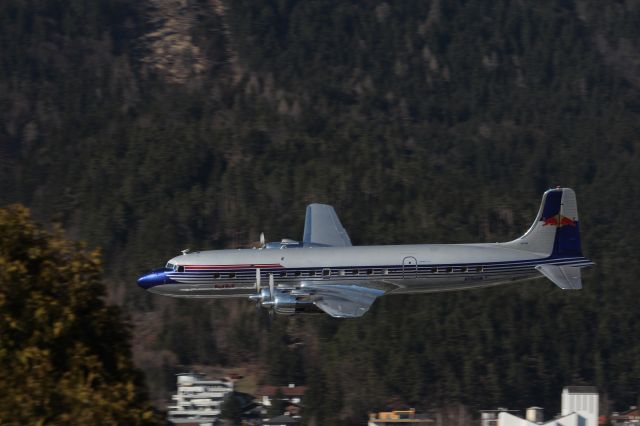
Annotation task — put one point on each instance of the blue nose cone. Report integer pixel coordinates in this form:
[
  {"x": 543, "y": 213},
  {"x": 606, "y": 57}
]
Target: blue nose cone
[{"x": 154, "y": 278}]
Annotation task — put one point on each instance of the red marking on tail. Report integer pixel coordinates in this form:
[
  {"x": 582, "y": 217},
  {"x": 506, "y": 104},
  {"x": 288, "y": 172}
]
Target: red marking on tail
[{"x": 559, "y": 221}]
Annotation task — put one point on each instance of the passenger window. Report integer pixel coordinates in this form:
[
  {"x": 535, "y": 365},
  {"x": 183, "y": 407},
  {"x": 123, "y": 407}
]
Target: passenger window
[
  {"x": 181, "y": 268},
  {"x": 326, "y": 272},
  {"x": 479, "y": 268},
  {"x": 232, "y": 275},
  {"x": 216, "y": 275}
]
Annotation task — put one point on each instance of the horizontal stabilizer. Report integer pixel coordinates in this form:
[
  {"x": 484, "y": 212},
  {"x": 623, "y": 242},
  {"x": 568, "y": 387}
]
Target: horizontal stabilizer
[{"x": 565, "y": 277}]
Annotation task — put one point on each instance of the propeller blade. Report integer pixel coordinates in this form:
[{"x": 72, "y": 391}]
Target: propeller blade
[
  {"x": 271, "y": 286},
  {"x": 257, "y": 280},
  {"x": 262, "y": 241}
]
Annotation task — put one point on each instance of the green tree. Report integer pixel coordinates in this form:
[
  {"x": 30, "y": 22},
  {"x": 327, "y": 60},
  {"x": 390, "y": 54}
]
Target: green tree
[
  {"x": 64, "y": 355},
  {"x": 231, "y": 409},
  {"x": 278, "y": 404}
]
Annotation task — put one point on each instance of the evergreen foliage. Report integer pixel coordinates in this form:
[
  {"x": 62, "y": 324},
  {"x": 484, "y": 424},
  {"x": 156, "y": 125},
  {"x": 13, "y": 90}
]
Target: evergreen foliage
[
  {"x": 231, "y": 410},
  {"x": 278, "y": 404}
]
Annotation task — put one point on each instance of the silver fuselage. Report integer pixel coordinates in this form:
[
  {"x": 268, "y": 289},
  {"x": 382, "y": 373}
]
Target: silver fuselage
[{"x": 397, "y": 269}]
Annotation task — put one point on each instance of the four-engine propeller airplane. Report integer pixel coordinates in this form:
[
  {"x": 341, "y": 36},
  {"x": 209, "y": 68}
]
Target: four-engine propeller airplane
[{"x": 325, "y": 273}]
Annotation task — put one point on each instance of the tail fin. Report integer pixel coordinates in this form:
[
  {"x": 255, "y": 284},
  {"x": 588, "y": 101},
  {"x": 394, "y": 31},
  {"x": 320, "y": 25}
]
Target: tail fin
[{"x": 556, "y": 230}]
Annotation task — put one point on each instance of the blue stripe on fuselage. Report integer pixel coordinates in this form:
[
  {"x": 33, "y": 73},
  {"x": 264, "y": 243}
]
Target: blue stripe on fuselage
[{"x": 394, "y": 271}]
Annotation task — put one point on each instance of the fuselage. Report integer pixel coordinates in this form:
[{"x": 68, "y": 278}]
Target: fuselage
[{"x": 399, "y": 269}]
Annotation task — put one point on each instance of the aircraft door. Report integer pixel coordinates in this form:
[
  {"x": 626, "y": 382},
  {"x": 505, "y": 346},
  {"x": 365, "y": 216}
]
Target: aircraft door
[{"x": 409, "y": 267}]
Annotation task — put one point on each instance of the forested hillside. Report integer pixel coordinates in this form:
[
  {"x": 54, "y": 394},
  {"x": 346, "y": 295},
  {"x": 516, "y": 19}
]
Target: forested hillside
[{"x": 148, "y": 127}]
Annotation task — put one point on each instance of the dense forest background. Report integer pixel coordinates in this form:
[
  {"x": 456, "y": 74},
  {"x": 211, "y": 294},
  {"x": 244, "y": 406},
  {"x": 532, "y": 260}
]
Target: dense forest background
[{"x": 147, "y": 127}]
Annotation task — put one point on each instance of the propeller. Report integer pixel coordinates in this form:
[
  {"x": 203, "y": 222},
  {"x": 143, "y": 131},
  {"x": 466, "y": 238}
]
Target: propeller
[
  {"x": 271, "y": 286},
  {"x": 270, "y": 302},
  {"x": 257, "y": 280},
  {"x": 264, "y": 297},
  {"x": 258, "y": 296},
  {"x": 262, "y": 240},
  {"x": 261, "y": 297}
]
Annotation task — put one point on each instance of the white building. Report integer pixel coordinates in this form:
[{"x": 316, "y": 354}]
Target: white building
[
  {"x": 198, "y": 400},
  {"x": 579, "y": 408},
  {"x": 583, "y": 400},
  {"x": 508, "y": 419},
  {"x": 490, "y": 417}
]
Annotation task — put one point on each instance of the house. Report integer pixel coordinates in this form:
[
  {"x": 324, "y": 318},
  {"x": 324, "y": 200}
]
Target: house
[
  {"x": 508, "y": 419},
  {"x": 631, "y": 417},
  {"x": 490, "y": 417},
  {"x": 291, "y": 394},
  {"x": 579, "y": 408},
  {"x": 583, "y": 400},
  {"x": 198, "y": 400},
  {"x": 398, "y": 417}
]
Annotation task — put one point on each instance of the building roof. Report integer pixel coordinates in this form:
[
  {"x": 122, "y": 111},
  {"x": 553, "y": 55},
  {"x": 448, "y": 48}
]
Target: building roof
[
  {"x": 286, "y": 391},
  {"x": 504, "y": 416},
  {"x": 399, "y": 417},
  {"x": 631, "y": 414},
  {"x": 582, "y": 389}
]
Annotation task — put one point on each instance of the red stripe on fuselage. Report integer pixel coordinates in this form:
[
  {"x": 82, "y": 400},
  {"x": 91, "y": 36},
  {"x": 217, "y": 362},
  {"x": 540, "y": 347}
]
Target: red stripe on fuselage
[{"x": 239, "y": 266}]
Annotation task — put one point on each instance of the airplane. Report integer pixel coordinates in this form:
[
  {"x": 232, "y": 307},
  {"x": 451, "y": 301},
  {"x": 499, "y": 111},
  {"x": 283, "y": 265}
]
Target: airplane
[{"x": 325, "y": 273}]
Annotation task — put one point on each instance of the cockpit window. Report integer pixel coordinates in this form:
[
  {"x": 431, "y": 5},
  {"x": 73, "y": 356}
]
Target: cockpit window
[{"x": 170, "y": 265}]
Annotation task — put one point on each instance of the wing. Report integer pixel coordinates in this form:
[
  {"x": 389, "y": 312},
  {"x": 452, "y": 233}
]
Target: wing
[
  {"x": 343, "y": 300},
  {"x": 323, "y": 228}
]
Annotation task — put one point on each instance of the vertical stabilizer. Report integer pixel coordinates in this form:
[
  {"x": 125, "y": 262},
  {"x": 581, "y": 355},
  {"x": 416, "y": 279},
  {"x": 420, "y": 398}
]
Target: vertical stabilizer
[
  {"x": 323, "y": 228},
  {"x": 556, "y": 229}
]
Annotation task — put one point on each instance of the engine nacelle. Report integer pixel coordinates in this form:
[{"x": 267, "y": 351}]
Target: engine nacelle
[
  {"x": 285, "y": 243},
  {"x": 284, "y": 303}
]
